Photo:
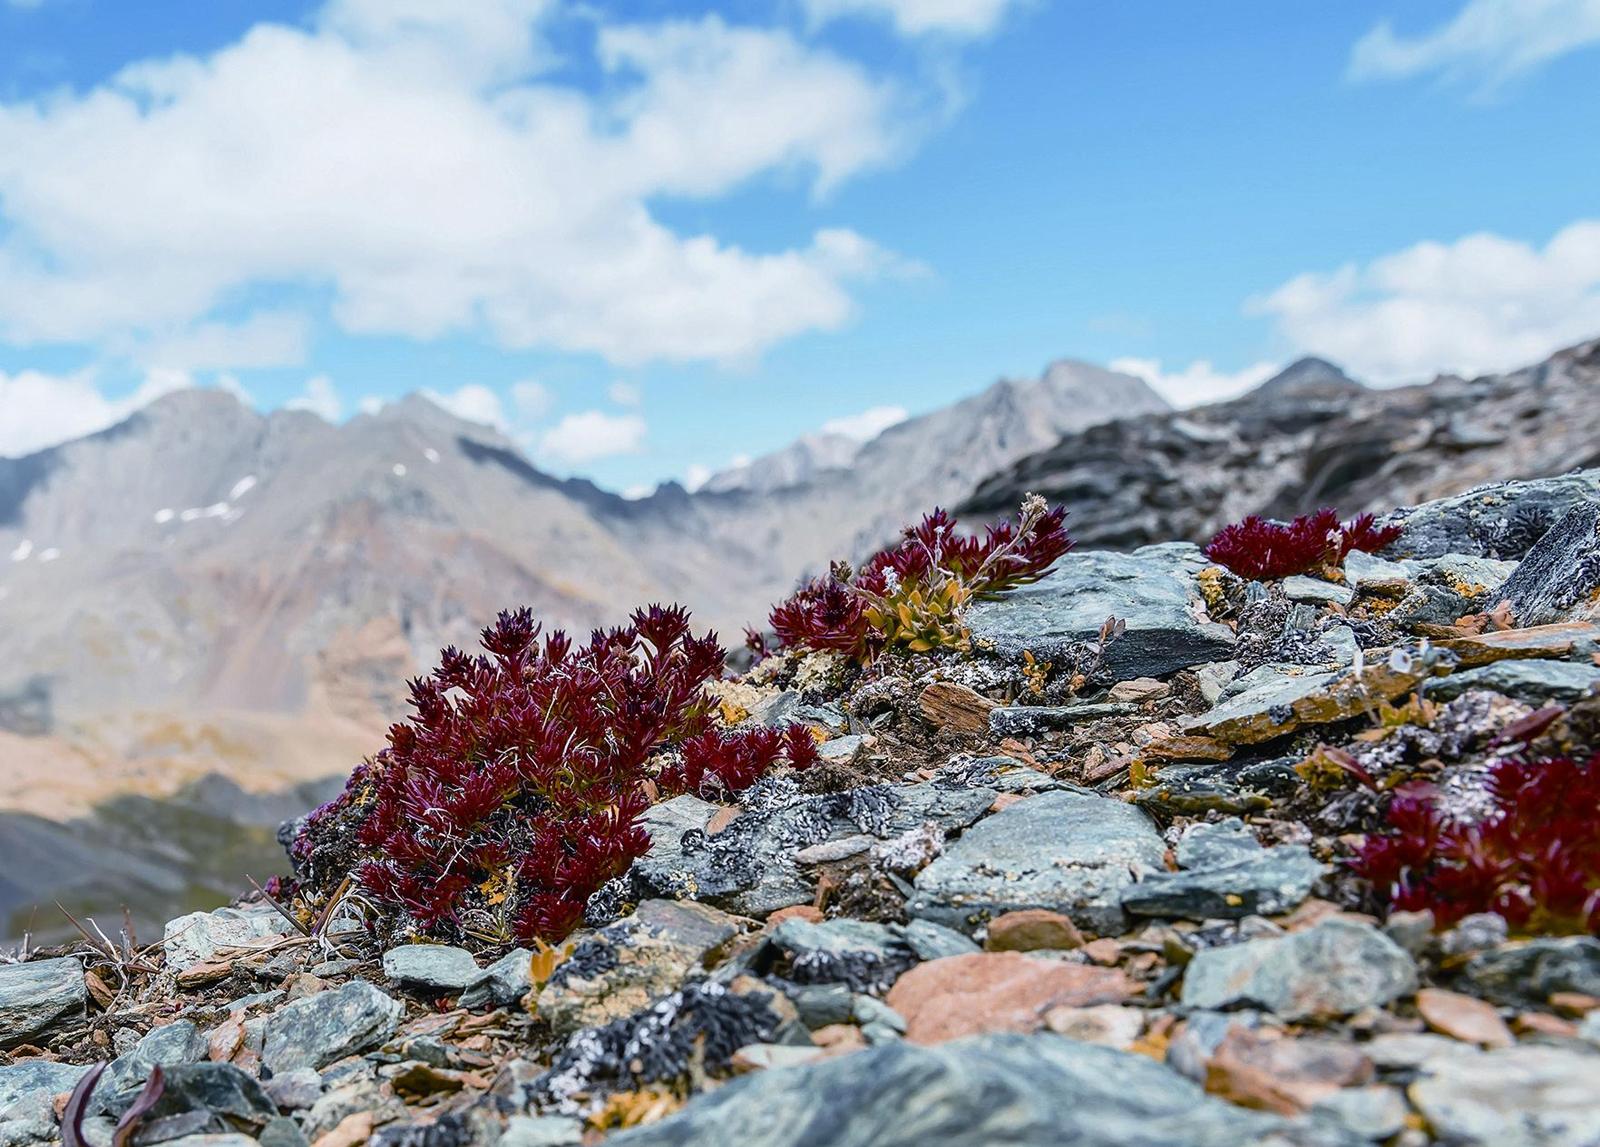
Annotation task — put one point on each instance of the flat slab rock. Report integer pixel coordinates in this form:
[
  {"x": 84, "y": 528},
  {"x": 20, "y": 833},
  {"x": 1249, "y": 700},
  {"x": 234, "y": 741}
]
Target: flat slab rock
[
  {"x": 1024, "y": 1091},
  {"x": 439, "y": 967},
  {"x": 1525, "y": 1096},
  {"x": 1534, "y": 680},
  {"x": 1068, "y": 852},
  {"x": 1152, "y": 589},
  {"x": 29, "y": 1079},
  {"x": 197, "y": 937},
  {"x": 1226, "y": 875},
  {"x": 1336, "y": 968},
  {"x": 37, "y": 994},
  {"x": 1500, "y": 520},
  {"x": 321, "y": 1028}
]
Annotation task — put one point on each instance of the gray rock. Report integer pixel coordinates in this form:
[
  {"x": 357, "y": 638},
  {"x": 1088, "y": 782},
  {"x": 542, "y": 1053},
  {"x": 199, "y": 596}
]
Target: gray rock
[
  {"x": 1024, "y": 1091},
  {"x": 1214, "y": 677},
  {"x": 1152, "y": 589},
  {"x": 842, "y": 750},
  {"x": 1031, "y": 720},
  {"x": 217, "y": 1089},
  {"x": 930, "y": 941},
  {"x": 282, "y": 1132},
  {"x": 1374, "y": 1113},
  {"x": 868, "y": 957},
  {"x": 1559, "y": 575},
  {"x": 1501, "y": 520},
  {"x": 37, "y": 994},
  {"x": 34, "y": 1078},
  {"x": 1532, "y": 679},
  {"x": 197, "y": 937},
  {"x": 212, "y": 1139},
  {"x": 166, "y": 1047},
  {"x": 819, "y": 1005},
  {"x": 1063, "y": 851},
  {"x": 750, "y": 866},
  {"x": 438, "y": 967},
  {"x": 1528, "y": 971},
  {"x": 1317, "y": 591},
  {"x": 1335, "y": 968},
  {"x": 1525, "y": 1096},
  {"x": 542, "y": 1131},
  {"x": 315, "y": 1031},
  {"x": 788, "y": 708},
  {"x": 1265, "y": 690},
  {"x": 1205, "y": 845},
  {"x": 502, "y": 983},
  {"x": 294, "y": 1090},
  {"x": 1002, "y": 774},
  {"x": 1272, "y": 880},
  {"x": 1361, "y": 568},
  {"x": 1589, "y": 1029}
]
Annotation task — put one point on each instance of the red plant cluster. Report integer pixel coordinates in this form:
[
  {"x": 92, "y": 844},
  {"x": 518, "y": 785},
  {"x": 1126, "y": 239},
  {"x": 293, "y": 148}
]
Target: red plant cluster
[
  {"x": 910, "y": 593},
  {"x": 513, "y": 792},
  {"x": 1534, "y": 859},
  {"x": 1261, "y": 549}
]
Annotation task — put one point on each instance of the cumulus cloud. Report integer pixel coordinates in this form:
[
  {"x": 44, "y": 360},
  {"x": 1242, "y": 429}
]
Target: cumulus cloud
[
  {"x": 695, "y": 476},
  {"x": 866, "y": 425},
  {"x": 422, "y": 166},
  {"x": 43, "y": 410},
  {"x": 1488, "y": 42},
  {"x": 1482, "y": 303},
  {"x": 592, "y": 434},
  {"x": 320, "y": 397},
  {"x": 265, "y": 339},
  {"x": 954, "y": 18},
  {"x": 1195, "y": 384},
  {"x": 472, "y": 403}
]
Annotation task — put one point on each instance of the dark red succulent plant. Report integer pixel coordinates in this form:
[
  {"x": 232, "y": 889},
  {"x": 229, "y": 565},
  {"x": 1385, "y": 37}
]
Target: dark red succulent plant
[
  {"x": 1261, "y": 549},
  {"x": 513, "y": 791},
  {"x": 912, "y": 593},
  {"x": 1534, "y": 859}
]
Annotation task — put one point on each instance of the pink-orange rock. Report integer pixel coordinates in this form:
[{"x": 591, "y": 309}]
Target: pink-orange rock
[
  {"x": 1032, "y": 930},
  {"x": 1465, "y": 1018},
  {"x": 996, "y": 992},
  {"x": 807, "y": 912},
  {"x": 1271, "y": 1072}
]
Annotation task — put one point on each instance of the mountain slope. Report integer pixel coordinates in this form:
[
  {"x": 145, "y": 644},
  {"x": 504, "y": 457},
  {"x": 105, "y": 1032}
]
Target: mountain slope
[{"x": 1287, "y": 447}]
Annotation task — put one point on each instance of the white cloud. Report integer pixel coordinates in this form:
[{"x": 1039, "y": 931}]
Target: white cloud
[
  {"x": 533, "y": 400},
  {"x": 1482, "y": 303},
  {"x": 415, "y": 162},
  {"x": 265, "y": 339},
  {"x": 1198, "y": 383},
  {"x": 320, "y": 397},
  {"x": 473, "y": 403},
  {"x": 42, "y": 410},
  {"x": 866, "y": 425},
  {"x": 625, "y": 393},
  {"x": 695, "y": 476},
  {"x": 1488, "y": 42},
  {"x": 956, "y": 18},
  {"x": 592, "y": 434}
]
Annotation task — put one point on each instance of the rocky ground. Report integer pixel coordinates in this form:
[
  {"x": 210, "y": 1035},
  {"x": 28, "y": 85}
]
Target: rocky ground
[{"x": 1087, "y": 882}]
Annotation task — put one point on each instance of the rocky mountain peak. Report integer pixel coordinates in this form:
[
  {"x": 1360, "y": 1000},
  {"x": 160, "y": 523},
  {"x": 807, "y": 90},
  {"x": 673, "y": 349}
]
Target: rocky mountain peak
[{"x": 1308, "y": 375}]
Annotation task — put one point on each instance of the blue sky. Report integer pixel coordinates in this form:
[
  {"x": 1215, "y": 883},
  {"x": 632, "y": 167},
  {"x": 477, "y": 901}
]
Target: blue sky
[{"x": 649, "y": 238}]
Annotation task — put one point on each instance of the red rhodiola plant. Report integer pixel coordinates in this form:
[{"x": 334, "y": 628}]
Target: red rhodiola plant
[
  {"x": 1534, "y": 859},
  {"x": 1261, "y": 549},
  {"x": 912, "y": 594},
  {"x": 512, "y": 793}
]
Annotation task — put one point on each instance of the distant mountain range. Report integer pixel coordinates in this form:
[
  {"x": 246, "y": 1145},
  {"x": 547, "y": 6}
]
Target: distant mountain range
[
  {"x": 1311, "y": 437},
  {"x": 204, "y": 589},
  {"x": 206, "y": 586}
]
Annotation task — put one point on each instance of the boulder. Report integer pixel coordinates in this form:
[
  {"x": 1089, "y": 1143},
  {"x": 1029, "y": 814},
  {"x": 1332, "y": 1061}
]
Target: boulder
[
  {"x": 1064, "y": 851},
  {"x": 1024, "y": 1091},
  {"x": 1336, "y": 968},
  {"x": 1152, "y": 589},
  {"x": 321, "y": 1028},
  {"x": 37, "y": 994}
]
